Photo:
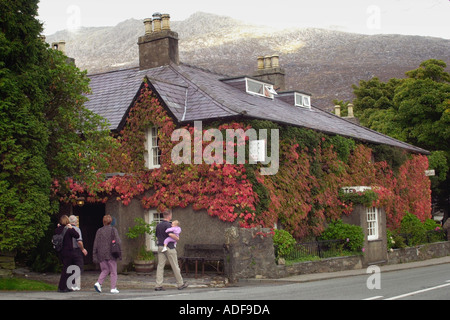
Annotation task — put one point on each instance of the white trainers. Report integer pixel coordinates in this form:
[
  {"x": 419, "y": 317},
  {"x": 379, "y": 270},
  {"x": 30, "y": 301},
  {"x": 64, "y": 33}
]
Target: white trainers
[
  {"x": 76, "y": 288},
  {"x": 164, "y": 249},
  {"x": 114, "y": 290},
  {"x": 98, "y": 287}
]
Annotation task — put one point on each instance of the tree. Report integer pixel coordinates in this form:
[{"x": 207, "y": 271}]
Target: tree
[
  {"x": 415, "y": 110},
  {"x": 45, "y": 131},
  {"x": 423, "y": 109},
  {"x": 79, "y": 140},
  {"x": 24, "y": 177}
]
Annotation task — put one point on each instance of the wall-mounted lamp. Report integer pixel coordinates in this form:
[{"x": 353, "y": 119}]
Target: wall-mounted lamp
[{"x": 80, "y": 201}]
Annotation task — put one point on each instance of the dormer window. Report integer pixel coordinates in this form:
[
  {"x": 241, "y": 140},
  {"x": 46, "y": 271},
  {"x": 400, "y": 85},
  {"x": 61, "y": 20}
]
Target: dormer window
[
  {"x": 302, "y": 100},
  {"x": 296, "y": 98},
  {"x": 260, "y": 88},
  {"x": 252, "y": 86}
]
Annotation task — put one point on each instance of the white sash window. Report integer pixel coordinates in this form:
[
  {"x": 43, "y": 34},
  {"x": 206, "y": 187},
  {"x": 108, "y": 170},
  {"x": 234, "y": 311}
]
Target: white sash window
[
  {"x": 372, "y": 223},
  {"x": 153, "y": 153}
]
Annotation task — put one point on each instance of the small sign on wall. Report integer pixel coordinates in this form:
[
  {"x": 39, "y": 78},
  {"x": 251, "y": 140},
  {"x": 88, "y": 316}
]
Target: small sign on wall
[
  {"x": 257, "y": 150},
  {"x": 430, "y": 173}
]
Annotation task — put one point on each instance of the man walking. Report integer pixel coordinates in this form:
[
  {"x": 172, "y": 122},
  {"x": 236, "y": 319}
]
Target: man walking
[{"x": 170, "y": 254}]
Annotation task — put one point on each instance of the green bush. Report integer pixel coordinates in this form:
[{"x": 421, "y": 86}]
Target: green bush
[
  {"x": 43, "y": 257},
  {"x": 394, "y": 240},
  {"x": 431, "y": 225},
  {"x": 413, "y": 229},
  {"x": 413, "y": 232},
  {"x": 338, "y": 230},
  {"x": 284, "y": 243},
  {"x": 434, "y": 231}
]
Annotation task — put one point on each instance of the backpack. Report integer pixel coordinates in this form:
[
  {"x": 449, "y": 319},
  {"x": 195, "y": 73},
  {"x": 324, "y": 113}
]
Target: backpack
[{"x": 57, "y": 240}]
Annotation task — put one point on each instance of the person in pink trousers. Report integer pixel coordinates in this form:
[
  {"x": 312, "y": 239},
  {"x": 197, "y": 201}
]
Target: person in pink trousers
[{"x": 102, "y": 254}]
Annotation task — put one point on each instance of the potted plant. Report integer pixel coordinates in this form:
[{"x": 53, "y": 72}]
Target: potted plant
[{"x": 144, "y": 261}]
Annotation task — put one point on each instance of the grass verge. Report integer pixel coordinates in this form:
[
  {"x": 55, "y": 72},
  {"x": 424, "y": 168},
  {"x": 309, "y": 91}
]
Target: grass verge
[{"x": 21, "y": 284}]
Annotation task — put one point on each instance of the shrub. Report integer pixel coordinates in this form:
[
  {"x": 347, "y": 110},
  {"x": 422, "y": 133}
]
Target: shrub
[
  {"x": 394, "y": 241},
  {"x": 433, "y": 231},
  {"x": 413, "y": 229},
  {"x": 284, "y": 243},
  {"x": 413, "y": 232},
  {"x": 338, "y": 230}
]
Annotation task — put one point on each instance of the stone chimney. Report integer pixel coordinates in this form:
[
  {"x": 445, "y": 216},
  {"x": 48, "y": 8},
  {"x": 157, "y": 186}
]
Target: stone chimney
[
  {"x": 59, "y": 46},
  {"x": 269, "y": 70},
  {"x": 350, "y": 115},
  {"x": 159, "y": 45}
]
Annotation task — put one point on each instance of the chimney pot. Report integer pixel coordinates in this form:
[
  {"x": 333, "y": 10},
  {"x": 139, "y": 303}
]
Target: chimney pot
[
  {"x": 157, "y": 22},
  {"x": 275, "y": 61},
  {"x": 165, "y": 21},
  {"x": 337, "y": 110},
  {"x": 350, "y": 111},
  {"x": 148, "y": 26},
  {"x": 267, "y": 62},
  {"x": 260, "y": 63}
]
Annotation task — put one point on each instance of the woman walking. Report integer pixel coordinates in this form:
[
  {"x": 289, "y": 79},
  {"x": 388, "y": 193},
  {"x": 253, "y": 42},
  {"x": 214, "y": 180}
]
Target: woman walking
[
  {"x": 102, "y": 253},
  {"x": 66, "y": 255}
]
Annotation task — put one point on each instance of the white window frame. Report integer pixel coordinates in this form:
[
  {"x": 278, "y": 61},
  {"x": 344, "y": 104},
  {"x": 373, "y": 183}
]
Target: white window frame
[
  {"x": 305, "y": 100},
  {"x": 152, "y": 216},
  {"x": 372, "y": 218},
  {"x": 267, "y": 90},
  {"x": 152, "y": 155}
]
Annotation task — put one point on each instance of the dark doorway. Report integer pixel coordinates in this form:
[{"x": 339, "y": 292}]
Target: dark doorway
[{"x": 90, "y": 217}]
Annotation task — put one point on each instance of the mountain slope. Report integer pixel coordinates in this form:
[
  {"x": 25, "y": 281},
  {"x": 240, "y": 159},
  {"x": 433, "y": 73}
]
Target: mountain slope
[{"x": 325, "y": 63}]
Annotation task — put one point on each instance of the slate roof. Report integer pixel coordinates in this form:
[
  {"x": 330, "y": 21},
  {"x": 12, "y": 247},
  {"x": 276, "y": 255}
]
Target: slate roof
[{"x": 191, "y": 94}]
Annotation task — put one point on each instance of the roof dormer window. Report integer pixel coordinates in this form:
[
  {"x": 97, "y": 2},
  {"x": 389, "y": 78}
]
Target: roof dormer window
[
  {"x": 302, "y": 100},
  {"x": 260, "y": 88}
]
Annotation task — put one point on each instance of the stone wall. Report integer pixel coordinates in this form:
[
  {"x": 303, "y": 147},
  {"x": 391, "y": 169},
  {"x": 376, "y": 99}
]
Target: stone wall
[
  {"x": 198, "y": 227},
  {"x": 419, "y": 253},
  {"x": 405, "y": 255},
  {"x": 250, "y": 254},
  {"x": 321, "y": 266}
]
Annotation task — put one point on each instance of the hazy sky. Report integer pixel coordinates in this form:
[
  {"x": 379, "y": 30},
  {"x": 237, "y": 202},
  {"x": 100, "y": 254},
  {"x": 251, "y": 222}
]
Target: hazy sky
[{"x": 413, "y": 17}]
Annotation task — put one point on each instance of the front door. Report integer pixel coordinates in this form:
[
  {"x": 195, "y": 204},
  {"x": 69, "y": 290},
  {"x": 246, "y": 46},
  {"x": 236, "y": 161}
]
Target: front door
[{"x": 90, "y": 217}]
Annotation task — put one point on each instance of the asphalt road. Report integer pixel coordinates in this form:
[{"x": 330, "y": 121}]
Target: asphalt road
[{"x": 425, "y": 283}]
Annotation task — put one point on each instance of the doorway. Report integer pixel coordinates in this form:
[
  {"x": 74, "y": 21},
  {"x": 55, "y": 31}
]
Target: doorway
[{"x": 90, "y": 218}]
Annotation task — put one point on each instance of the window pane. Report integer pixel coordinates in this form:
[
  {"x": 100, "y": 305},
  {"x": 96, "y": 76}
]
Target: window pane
[
  {"x": 298, "y": 100},
  {"x": 306, "y": 101},
  {"x": 153, "y": 217},
  {"x": 154, "y": 152},
  {"x": 372, "y": 223},
  {"x": 255, "y": 87}
]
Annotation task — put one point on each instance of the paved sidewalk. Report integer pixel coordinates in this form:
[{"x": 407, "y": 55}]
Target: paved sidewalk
[
  {"x": 131, "y": 286},
  {"x": 131, "y": 280}
]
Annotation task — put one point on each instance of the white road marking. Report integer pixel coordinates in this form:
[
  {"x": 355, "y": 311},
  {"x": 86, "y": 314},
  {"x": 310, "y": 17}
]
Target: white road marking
[
  {"x": 374, "y": 298},
  {"x": 420, "y": 291}
]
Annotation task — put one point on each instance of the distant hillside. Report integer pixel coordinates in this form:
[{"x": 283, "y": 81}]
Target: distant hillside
[{"x": 325, "y": 63}]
